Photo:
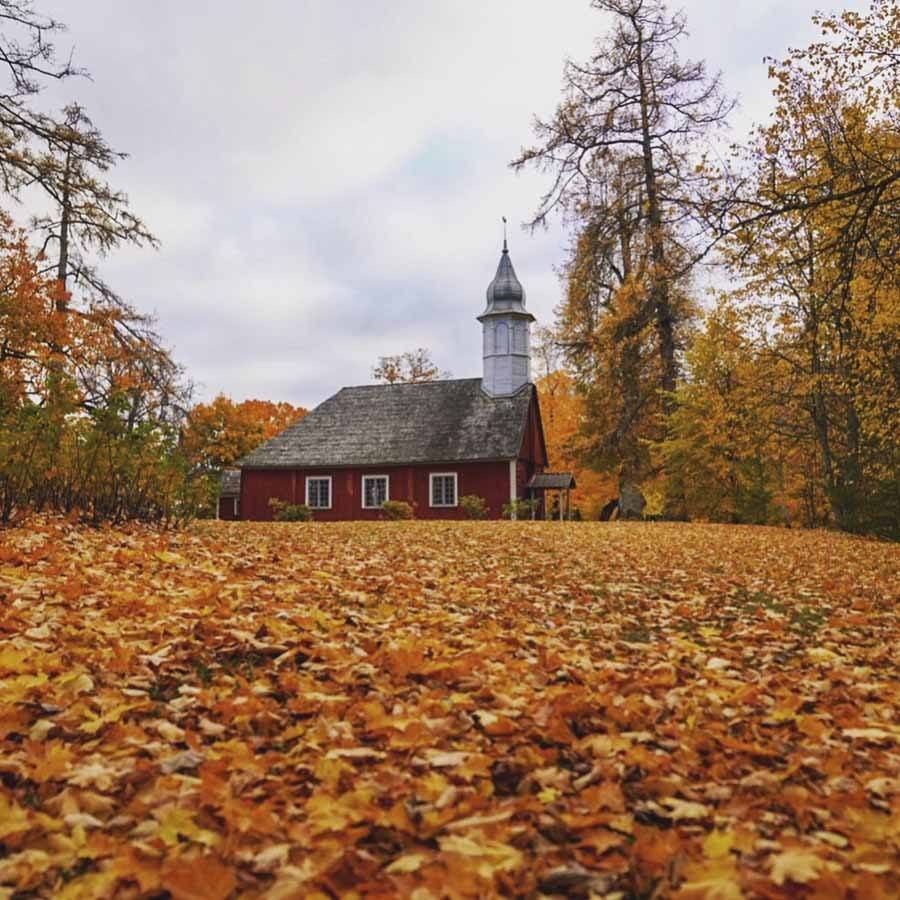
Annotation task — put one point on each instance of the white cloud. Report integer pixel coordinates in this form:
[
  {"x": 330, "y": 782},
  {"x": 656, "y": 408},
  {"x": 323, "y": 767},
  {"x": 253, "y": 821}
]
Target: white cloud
[{"x": 327, "y": 176}]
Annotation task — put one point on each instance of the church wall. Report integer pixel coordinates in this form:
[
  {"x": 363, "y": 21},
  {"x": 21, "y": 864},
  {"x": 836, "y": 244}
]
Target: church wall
[
  {"x": 489, "y": 480},
  {"x": 227, "y": 510}
]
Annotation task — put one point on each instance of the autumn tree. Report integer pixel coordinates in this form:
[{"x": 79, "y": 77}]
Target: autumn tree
[
  {"x": 856, "y": 66},
  {"x": 818, "y": 243},
  {"x": 67, "y": 159},
  {"x": 734, "y": 446},
  {"x": 625, "y": 149},
  {"x": 217, "y": 434},
  {"x": 408, "y": 368},
  {"x": 56, "y": 451},
  {"x": 90, "y": 395},
  {"x": 562, "y": 415}
]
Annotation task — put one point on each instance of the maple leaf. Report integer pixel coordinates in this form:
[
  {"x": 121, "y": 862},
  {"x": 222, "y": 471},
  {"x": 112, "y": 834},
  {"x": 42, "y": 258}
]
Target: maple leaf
[
  {"x": 52, "y": 760},
  {"x": 487, "y": 856},
  {"x": 799, "y": 866},
  {"x": 713, "y": 880},
  {"x": 718, "y": 844},
  {"x": 13, "y": 819},
  {"x": 174, "y": 823}
]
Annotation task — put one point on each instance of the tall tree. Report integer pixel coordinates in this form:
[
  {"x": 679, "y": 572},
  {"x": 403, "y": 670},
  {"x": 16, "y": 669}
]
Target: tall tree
[
  {"x": 28, "y": 57},
  {"x": 68, "y": 159},
  {"x": 818, "y": 239},
  {"x": 626, "y": 149},
  {"x": 88, "y": 215},
  {"x": 857, "y": 63}
]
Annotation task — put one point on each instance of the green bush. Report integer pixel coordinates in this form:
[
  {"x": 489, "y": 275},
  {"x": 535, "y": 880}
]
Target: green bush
[
  {"x": 520, "y": 509},
  {"x": 397, "y": 509},
  {"x": 289, "y": 512},
  {"x": 93, "y": 464},
  {"x": 473, "y": 506}
]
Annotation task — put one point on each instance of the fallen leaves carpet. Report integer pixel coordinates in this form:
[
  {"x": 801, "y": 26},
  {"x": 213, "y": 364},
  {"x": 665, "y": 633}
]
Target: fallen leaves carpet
[{"x": 448, "y": 710}]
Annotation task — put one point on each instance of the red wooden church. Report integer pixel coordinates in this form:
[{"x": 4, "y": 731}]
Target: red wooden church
[{"x": 428, "y": 443}]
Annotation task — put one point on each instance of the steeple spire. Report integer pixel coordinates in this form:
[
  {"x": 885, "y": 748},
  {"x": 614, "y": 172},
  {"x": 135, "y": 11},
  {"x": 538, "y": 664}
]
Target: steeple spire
[{"x": 506, "y": 326}]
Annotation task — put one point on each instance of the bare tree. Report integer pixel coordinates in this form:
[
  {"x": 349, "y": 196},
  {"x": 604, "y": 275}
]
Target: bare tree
[
  {"x": 28, "y": 55},
  {"x": 88, "y": 216},
  {"x": 411, "y": 367},
  {"x": 628, "y": 142}
]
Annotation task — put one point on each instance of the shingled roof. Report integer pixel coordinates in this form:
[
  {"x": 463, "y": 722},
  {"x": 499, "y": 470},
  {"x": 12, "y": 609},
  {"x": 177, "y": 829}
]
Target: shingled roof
[
  {"x": 231, "y": 483},
  {"x": 384, "y": 424}
]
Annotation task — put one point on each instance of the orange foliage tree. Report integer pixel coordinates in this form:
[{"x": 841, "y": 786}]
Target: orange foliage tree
[
  {"x": 218, "y": 434},
  {"x": 562, "y": 413}
]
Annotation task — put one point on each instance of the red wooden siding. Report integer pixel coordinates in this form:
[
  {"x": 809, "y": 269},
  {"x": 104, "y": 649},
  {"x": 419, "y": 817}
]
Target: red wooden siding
[
  {"x": 533, "y": 455},
  {"x": 410, "y": 483},
  {"x": 227, "y": 508}
]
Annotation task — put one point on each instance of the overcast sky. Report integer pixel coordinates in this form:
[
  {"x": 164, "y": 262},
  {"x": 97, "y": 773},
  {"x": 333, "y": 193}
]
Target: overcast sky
[{"x": 327, "y": 177}]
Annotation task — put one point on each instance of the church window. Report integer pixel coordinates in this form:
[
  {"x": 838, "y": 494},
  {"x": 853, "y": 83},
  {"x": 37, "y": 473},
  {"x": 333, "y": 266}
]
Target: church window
[
  {"x": 520, "y": 341},
  {"x": 501, "y": 338},
  {"x": 374, "y": 491},
  {"x": 443, "y": 488},
  {"x": 318, "y": 492}
]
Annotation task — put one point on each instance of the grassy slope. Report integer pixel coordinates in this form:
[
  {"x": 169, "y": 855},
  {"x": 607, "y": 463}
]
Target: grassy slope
[{"x": 700, "y": 711}]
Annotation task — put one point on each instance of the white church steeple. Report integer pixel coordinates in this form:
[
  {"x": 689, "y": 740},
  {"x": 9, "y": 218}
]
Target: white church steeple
[{"x": 507, "y": 333}]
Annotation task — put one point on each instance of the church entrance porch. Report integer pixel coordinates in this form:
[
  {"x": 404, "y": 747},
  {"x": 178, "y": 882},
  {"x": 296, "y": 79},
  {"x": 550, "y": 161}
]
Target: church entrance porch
[{"x": 552, "y": 490}]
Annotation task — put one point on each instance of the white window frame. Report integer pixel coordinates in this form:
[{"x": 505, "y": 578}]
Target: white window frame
[
  {"x": 330, "y": 490},
  {"x": 387, "y": 489},
  {"x": 431, "y": 477}
]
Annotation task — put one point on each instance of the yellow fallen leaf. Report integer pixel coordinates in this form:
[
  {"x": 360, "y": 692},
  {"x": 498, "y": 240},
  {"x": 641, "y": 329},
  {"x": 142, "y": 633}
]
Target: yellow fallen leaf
[
  {"x": 403, "y": 865},
  {"x": 13, "y": 818},
  {"x": 822, "y": 655},
  {"x": 685, "y": 810},
  {"x": 495, "y": 855},
  {"x": 171, "y": 558},
  {"x": 718, "y": 844},
  {"x": 875, "y": 735},
  {"x": 712, "y": 879},
  {"x": 799, "y": 866},
  {"x": 832, "y": 838}
]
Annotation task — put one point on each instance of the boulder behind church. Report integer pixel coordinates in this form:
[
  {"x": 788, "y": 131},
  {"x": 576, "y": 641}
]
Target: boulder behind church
[{"x": 631, "y": 502}]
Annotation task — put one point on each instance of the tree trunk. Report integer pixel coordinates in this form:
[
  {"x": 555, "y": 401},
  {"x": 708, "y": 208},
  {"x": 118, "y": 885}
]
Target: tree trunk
[
  {"x": 659, "y": 279},
  {"x": 62, "y": 268}
]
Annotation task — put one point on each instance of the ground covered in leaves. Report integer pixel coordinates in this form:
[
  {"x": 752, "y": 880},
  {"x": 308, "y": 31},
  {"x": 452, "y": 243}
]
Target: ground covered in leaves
[{"x": 448, "y": 710}]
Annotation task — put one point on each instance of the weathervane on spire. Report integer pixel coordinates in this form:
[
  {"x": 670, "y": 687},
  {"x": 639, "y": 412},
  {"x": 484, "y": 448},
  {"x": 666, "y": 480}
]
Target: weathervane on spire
[{"x": 504, "y": 234}]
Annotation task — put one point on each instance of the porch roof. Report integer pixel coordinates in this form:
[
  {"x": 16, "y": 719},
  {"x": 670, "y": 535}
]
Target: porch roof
[{"x": 554, "y": 481}]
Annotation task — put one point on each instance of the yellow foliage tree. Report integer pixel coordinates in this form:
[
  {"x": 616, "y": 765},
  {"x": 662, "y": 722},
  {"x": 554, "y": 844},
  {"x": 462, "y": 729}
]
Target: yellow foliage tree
[
  {"x": 818, "y": 243},
  {"x": 562, "y": 413}
]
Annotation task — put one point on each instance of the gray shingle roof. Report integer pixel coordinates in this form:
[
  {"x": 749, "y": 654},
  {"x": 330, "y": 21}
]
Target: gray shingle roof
[
  {"x": 382, "y": 424},
  {"x": 231, "y": 483}
]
